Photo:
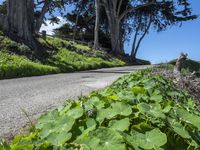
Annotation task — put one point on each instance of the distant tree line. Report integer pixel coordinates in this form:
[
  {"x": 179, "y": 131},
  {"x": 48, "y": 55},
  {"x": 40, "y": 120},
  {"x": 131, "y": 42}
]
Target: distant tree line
[{"x": 106, "y": 23}]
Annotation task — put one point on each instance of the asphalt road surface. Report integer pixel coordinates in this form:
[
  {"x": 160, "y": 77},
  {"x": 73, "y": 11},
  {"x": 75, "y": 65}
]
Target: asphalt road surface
[{"x": 34, "y": 96}]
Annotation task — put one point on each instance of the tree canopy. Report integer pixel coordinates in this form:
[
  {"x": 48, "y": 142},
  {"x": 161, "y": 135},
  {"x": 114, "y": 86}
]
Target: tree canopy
[{"x": 107, "y": 23}]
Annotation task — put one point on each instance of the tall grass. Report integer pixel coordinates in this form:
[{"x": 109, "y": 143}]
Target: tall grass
[
  {"x": 66, "y": 56},
  {"x": 67, "y": 61},
  {"x": 17, "y": 66}
]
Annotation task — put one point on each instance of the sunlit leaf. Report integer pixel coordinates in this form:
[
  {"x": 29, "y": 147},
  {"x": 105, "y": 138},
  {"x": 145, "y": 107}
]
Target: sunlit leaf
[
  {"x": 76, "y": 112},
  {"x": 120, "y": 125},
  {"x": 150, "y": 140},
  {"x": 154, "y": 110},
  {"x": 58, "y": 138}
]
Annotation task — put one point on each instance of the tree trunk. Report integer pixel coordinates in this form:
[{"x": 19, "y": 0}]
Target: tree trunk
[
  {"x": 76, "y": 23},
  {"x": 113, "y": 10},
  {"x": 133, "y": 51},
  {"x": 39, "y": 20},
  {"x": 96, "y": 30},
  {"x": 114, "y": 22},
  {"x": 116, "y": 42},
  {"x": 115, "y": 33},
  {"x": 20, "y": 19},
  {"x": 136, "y": 44}
]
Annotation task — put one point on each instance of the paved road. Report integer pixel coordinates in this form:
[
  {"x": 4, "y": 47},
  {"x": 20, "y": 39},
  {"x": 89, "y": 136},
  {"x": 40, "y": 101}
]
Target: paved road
[{"x": 36, "y": 95}]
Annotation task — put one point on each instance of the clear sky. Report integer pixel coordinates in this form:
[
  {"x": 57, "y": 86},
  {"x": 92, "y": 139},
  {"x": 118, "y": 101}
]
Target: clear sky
[{"x": 167, "y": 45}]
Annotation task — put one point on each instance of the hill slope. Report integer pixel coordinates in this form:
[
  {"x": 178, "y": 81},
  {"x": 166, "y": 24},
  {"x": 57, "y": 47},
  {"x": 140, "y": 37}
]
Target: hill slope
[{"x": 17, "y": 60}]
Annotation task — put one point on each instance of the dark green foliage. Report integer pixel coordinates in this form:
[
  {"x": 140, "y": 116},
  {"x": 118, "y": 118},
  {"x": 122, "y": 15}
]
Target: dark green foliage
[
  {"x": 3, "y": 8},
  {"x": 6, "y": 44},
  {"x": 66, "y": 31},
  {"x": 81, "y": 24},
  {"x": 136, "y": 112}
]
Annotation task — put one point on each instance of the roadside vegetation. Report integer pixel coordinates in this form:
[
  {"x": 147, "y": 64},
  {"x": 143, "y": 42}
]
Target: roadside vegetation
[
  {"x": 17, "y": 60},
  {"x": 71, "y": 56},
  {"x": 12, "y": 65},
  {"x": 138, "y": 111}
]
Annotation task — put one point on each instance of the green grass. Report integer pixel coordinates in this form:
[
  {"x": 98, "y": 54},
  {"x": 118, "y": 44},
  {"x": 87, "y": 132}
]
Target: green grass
[
  {"x": 17, "y": 66},
  {"x": 64, "y": 56},
  {"x": 136, "y": 112},
  {"x": 71, "y": 61},
  {"x": 72, "y": 56}
]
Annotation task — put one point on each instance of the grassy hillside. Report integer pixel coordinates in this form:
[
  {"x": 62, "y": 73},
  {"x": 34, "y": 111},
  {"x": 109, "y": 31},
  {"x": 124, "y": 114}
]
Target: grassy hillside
[
  {"x": 17, "y": 60},
  {"x": 18, "y": 66},
  {"x": 139, "y": 111},
  {"x": 72, "y": 56}
]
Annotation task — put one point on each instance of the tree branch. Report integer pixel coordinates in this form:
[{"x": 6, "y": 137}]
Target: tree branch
[
  {"x": 44, "y": 10},
  {"x": 135, "y": 40},
  {"x": 134, "y": 9},
  {"x": 141, "y": 38},
  {"x": 119, "y": 7}
]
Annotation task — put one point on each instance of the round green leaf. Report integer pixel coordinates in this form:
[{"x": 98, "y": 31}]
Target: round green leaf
[
  {"x": 150, "y": 140},
  {"x": 120, "y": 125},
  {"x": 76, "y": 112},
  {"x": 120, "y": 108},
  {"x": 58, "y": 138},
  {"x": 154, "y": 110},
  {"x": 108, "y": 139}
]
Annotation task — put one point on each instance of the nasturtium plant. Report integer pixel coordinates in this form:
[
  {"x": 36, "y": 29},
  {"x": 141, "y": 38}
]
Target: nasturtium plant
[
  {"x": 108, "y": 139},
  {"x": 121, "y": 125},
  {"x": 153, "y": 110},
  {"x": 188, "y": 117},
  {"x": 120, "y": 108},
  {"x": 75, "y": 112},
  {"x": 149, "y": 140},
  {"x": 58, "y": 138},
  {"x": 137, "y": 111}
]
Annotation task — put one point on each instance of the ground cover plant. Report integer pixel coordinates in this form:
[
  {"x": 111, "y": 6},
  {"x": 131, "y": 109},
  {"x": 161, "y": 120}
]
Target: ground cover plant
[
  {"x": 12, "y": 65},
  {"x": 138, "y": 111},
  {"x": 17, "y": 60}
]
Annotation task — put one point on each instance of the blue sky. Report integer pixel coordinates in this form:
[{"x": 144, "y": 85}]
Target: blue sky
[{"x": 167, "y": 45}]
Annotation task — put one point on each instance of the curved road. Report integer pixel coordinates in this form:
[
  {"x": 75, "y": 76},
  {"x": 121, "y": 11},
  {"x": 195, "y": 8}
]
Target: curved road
[{"x": 36, "y": 95}]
